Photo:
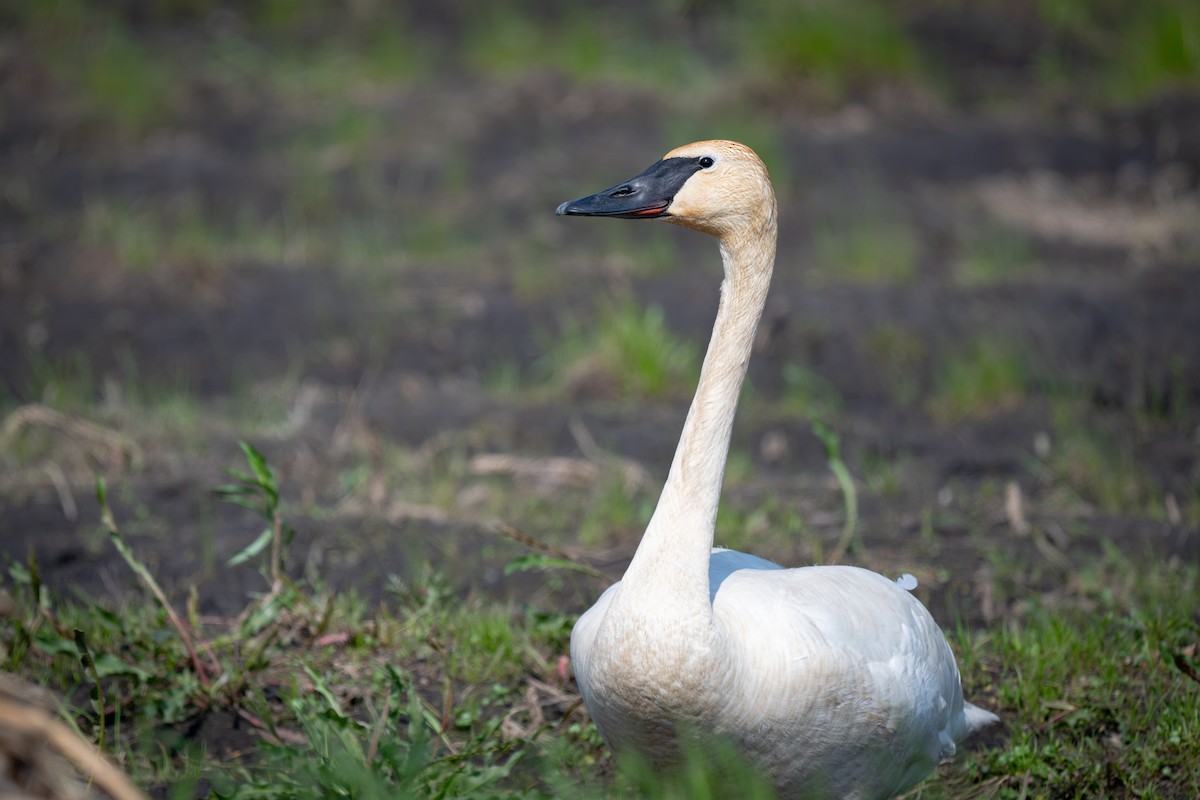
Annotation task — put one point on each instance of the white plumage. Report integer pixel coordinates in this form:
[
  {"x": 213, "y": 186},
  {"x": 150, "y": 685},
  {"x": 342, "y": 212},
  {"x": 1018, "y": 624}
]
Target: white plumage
[{"x": 835, "y": 681}]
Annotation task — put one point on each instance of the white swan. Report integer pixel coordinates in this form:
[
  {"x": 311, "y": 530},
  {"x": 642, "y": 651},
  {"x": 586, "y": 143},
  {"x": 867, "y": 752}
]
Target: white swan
[{"x": 834, "y": 681}]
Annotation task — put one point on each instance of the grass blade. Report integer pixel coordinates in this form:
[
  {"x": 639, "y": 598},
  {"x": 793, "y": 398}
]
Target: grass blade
[
  {"x": 89, "y": 666},
  {"x": 139, "y": 569},
  {"x": 833, "y": 451}
]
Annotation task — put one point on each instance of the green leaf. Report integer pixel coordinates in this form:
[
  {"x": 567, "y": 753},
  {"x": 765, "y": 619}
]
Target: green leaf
[
  {"x": 538, "y": 561},
  {"x": 19, "y": 573},
  {"x": 264, "y": 615},
  {"x": 251, "y": 550},
  {"x": 258, "y": 463},
  {"x": 81, "y": 648},
  {"x": 247, "y": 504},
  {"x": 55, "y": 645},
  {"x": 828, "y": 437},
  {"x": 322, "y": 688},
  {"x": 106, "y": 664},
  {"x": 833, "y": 451}
]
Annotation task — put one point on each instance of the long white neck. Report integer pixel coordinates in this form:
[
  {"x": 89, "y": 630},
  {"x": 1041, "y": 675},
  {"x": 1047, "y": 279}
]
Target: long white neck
[{"x": 669, "y": 571}]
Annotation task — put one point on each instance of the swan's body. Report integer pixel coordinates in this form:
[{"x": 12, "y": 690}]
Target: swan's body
[{"x": 834, "y": 680}]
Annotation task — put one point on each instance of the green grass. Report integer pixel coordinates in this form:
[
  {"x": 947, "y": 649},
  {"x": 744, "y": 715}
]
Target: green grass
[
  {"x": 898, "y": 355},
  {"x": 1093, "y": 695},
  {"x": 572, "y": 40},
  {"x": 984, "y": 377},
  {"x": 1119, "y": 52},
  {"x": 152, "y": 238},
  {"x": 148, "y": 237},
  {"x": 990, "y": 255},
  {"x": 110, "y": 73},
  {"x": 431, "y": 696},
  {"x": 344, "y": 134},
  {"x": 104, "y": 60},
  {"x": 838, "y": 47},
  {"x": 808, "y": 395},
  {"x": 372, "y": 57},
  {"x": 613, "y": 511},
  {"x": 865, "y": 249},
  {"x": 435, "y": 695},
  {"x": 1093, "y": 456},
  {"x": 125, "y": 80},
  {"x": 627, "y": 352},
  {"x": 71, "y": 384},
  {"x": 887, "y": 475},
  {"x": 762, "y": 524}
]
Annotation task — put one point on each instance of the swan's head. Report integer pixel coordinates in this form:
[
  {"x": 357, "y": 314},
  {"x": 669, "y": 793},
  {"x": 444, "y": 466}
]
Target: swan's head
[{"x": 718, "y": 187}]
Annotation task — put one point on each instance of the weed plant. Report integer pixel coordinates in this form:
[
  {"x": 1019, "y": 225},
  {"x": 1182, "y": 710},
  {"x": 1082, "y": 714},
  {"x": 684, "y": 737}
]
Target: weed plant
[
  {"x": 986, "y": 376},
  {"x": 626, "y": 352}
]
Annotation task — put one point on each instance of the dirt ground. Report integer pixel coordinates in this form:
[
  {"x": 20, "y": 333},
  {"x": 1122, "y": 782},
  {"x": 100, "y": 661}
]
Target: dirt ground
[{"x": 1105, "y": 204}]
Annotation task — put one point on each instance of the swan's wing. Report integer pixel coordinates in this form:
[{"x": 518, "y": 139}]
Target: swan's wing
[
  {"x": 845, "y": 662},
  {"x": 723, "y": 563}
]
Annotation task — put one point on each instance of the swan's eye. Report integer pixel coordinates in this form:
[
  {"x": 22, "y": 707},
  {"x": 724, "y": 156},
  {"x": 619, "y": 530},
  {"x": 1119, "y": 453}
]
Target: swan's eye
[{"x": 706, "y": 162}]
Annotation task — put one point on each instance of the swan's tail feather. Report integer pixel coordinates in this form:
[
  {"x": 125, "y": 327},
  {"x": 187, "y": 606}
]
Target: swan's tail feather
[
  {"x": 973, "y": 719},
  {"x": 977, "y": 717}
]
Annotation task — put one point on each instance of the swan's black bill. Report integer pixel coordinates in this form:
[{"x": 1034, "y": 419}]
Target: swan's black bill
[{"x": 645, "y": 197}]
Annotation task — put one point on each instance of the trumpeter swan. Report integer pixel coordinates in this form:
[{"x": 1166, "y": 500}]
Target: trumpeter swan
[{"x": 833, "y": 680}]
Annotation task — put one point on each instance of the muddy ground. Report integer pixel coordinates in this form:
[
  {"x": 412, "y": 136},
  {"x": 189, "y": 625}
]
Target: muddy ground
[{"x": 358, "y": 363}]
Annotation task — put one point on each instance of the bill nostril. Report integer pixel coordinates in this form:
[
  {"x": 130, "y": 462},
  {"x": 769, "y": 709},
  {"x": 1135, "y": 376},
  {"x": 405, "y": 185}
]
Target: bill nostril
[{"x": 623, "y": 191}]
